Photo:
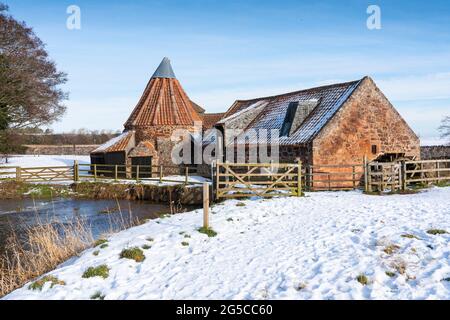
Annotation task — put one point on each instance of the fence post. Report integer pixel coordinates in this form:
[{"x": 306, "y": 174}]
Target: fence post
[
  {"x": 186, "y": 180},
  {"x": 206, "y": 205},
  {"x": 393, "y": 178},
  {"x": 403, "y": 175},
  {"x": 217, "y": 179},
  {"x": 369, "y": 177},
  {"x": 160, "y": 173},
  {"x": 299, "y": 178},
  {"x": 311, "y": 178},
  {"x": 366, "y": 175},
  {"x": 115, "y": 172},
  {"x": 353, "y": 177},
  {"x": 18, "y": 174},
  {"x": 95, "y": 172},
  {"x": 75, "y": 171},
  {"x": 438, "y": 175},
  {"x": 137, "y": 173}
]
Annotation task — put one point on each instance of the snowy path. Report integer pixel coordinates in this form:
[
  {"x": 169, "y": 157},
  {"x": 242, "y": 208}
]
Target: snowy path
[{"x": 293, "y": 248}]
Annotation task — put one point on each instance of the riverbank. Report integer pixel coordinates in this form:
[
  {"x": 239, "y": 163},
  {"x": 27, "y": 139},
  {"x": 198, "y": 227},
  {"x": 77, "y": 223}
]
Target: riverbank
[
  {"x": 326, "y": 245},
  {"x": 177, "y": 194}
]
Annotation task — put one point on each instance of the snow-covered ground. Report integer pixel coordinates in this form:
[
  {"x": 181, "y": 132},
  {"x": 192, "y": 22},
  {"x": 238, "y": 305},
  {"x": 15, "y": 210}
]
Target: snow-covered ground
[
  {"x": 31, "y": 161},
  {"x": 286, "y": 248}
]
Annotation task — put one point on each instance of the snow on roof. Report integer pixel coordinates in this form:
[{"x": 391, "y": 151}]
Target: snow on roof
[
  {"x": 118, "y": 143},
  {"x": 331, "y": 99},
  {"x": 244, "y": 110}
]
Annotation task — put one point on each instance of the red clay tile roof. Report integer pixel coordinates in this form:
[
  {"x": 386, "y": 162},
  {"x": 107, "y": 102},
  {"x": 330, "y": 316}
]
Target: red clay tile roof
[
  {"x": 210, "y": 119},
  {"x": 116, "y": 144},
  {"x": 163, "y": 102},
  {"x": 197, "y": 108}
]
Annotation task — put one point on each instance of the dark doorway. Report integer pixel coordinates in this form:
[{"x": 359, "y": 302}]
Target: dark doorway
[{"x": 145, "y": 166}]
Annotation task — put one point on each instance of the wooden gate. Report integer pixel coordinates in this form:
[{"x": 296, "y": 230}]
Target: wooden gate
[
  {"x": 384, "y": 175},
  {"x": 234, "y": 180},
  {"x": 45, "y": 174}
]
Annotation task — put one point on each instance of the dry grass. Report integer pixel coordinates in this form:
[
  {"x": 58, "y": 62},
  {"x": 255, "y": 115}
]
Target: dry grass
[
  {"x": 41, "y": 250},
  {"x": 43, "y": 246}
]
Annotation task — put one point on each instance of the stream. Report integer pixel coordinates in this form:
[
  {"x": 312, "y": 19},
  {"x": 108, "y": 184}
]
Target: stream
[{"x": 101, "y": 216}]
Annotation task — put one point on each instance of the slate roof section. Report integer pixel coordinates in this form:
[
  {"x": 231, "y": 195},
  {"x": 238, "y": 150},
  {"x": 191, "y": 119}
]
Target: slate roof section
[
  {"x": 116, "y": 144},
  {"x": 331, "y": 97},
  {"x": 164, "y": 70},
  {"x": 163, "y": 102}
]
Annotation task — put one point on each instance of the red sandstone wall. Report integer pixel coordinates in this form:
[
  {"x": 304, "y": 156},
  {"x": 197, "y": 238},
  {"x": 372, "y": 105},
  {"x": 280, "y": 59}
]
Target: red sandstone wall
[{"x": 366, "y": 119}]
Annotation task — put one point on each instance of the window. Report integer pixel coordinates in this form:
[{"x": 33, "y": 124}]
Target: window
[
  {"x": 288, "y": 119},
  {"x": 374, "y": 149}
]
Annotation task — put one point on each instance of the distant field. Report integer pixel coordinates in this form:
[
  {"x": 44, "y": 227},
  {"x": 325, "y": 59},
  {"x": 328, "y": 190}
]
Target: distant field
[{"x": 29, "y": 161}]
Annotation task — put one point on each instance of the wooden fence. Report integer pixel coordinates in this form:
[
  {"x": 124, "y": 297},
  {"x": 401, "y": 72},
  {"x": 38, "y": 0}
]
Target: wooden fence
[
  {"x": 98, "y": 172},
  {"x": 233, "y": 180},
  {"x": 426, "y": 171},
  {"x": 399, "y": 175},
  {"x": 333, "y": 177},
  {"x": 243, "y": 180}
]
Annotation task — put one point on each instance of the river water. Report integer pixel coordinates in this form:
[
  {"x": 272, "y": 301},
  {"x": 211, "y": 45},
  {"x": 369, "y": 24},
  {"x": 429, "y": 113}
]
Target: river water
[{"x": 100, "y": 215}]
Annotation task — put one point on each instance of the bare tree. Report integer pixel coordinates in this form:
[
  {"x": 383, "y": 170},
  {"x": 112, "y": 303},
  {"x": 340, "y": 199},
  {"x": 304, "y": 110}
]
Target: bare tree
[
  {"x": 445, "y": 128},
  {"x": 29, "y": 81}
]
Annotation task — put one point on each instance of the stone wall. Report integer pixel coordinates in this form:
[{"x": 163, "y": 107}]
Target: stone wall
[
  {"x": 191, "y": 195},
  {"x": 60, "y": 149},
  {"x": 435, "y": 152},
  {"x": 367, "y": 124},
  {"x": 290, "y": 154}
]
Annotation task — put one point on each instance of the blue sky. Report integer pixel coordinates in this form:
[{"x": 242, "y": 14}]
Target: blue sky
[{"x": 227, "y": 50}]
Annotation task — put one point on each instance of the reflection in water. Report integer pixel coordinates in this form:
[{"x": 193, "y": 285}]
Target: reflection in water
[{"x": 101, "y": 216}]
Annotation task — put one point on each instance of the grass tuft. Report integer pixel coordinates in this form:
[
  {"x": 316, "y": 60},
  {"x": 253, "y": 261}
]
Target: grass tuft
[
  {"x": 208, "y": 231},
  {"x": 100, "y": 271},
  {"x": 99, "y": 242},
  {"x": 185, "y": 244},
  {"x": 96, "y": 252},
  {"x": 362, "y": 279},
  {"x": 146, "y": 247},
  {"x": 391, "y": 249},
  {"x": 39, "y": 284},
  {"x": 390, "y": 274},
  {"x": 98, "y": 296},
  {"x": 135, "y": 254},
  {"x": 410, "y": 236},
  {"x": 240, "y": 204},
  {"x": 436, "y": 231}
]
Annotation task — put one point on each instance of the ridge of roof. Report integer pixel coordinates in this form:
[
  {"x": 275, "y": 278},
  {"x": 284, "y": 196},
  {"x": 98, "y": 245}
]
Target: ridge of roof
[{"x": 328, "y": 86}]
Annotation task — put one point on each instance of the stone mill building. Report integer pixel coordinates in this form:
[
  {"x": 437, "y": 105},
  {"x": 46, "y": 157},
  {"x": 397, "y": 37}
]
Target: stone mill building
[
  {"x": 334, "y": 124},
  {"x": 163, "y": 108}
]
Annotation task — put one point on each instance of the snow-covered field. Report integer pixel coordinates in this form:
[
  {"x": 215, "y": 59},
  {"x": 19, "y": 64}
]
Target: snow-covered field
[
  {"x": 30, "y": 161},
  {"x": 286, "y": 248}
]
